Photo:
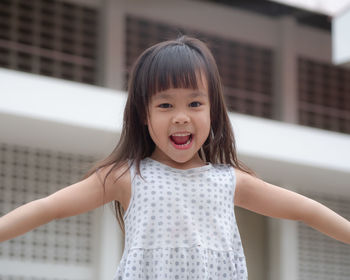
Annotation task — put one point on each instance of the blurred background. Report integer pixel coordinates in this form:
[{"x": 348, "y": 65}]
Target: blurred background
[{"x": 63, "y": 75}]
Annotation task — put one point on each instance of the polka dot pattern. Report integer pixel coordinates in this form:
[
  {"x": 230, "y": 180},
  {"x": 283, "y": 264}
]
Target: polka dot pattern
[{"x": 181, "y": 224}]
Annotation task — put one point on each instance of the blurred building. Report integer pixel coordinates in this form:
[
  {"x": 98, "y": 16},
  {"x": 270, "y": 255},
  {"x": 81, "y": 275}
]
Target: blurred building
[{"x": 64, "y": 70}]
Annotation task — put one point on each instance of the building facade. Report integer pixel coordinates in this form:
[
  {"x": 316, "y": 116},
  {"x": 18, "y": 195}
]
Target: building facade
[{"x": 289, "y": 107}]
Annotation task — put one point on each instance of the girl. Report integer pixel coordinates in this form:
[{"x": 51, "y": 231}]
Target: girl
[{"x": 175, "y": 171}]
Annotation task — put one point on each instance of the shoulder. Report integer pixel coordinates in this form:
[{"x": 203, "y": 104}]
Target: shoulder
[
  {"x": 117, "y": 179},
  {"x": 245, "y": 180},
  {"x": 246, "y": 185},
  {"x": 241, "y": 177}
]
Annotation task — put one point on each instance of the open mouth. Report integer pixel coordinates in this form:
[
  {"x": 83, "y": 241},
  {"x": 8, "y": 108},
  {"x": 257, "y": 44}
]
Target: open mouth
[{"x": 181, "y": 140}]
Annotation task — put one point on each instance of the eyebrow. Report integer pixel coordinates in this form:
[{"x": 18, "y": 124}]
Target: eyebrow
[{"x": 194, "y": 94}]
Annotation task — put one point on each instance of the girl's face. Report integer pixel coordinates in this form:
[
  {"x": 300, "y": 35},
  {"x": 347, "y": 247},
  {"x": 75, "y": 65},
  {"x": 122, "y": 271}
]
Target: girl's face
[{"x": 179, "y": 124}]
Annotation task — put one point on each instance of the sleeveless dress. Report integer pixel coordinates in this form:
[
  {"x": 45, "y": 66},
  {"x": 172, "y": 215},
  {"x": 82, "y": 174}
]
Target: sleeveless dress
[{"x": 180, "y": 224}]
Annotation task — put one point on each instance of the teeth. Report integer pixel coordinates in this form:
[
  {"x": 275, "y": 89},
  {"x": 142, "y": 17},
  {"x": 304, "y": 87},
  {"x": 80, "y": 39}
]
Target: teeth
[{"x": 181, "y": 134}]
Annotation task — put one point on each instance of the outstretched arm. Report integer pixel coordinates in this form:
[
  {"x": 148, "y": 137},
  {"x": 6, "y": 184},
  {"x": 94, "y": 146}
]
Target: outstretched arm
[
  {"x": 258, "y": 196},
  {"x": 70, "y": 201}
]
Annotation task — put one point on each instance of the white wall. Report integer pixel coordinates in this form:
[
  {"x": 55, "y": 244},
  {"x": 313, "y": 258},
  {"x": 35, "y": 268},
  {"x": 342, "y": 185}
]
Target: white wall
[
  {"x": 86, "y": 119},
  {"x": 65, "y": 116},
  {"x": 341, "y": 38}
]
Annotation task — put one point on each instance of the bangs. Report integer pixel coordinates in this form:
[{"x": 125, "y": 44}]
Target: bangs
[{"x": 177, "y": 66}]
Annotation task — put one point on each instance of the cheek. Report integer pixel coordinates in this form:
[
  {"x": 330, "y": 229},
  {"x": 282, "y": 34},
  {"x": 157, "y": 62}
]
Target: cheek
[
  {"x": 150, "y": 126},
  {"x": 155, "y": 127},
  {"x": 208, "y": 120},
  {"x": 153, "y": 123},
  {"x": 204, "y": 124},
  {"x": 152, "y": 133}
]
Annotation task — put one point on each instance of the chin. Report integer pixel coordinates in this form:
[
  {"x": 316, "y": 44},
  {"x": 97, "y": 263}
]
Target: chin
[{"x": 181, "y": 160}]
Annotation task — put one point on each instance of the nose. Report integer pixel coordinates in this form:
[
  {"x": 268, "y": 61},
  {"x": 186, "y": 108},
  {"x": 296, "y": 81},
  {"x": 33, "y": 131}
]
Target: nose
[{"x": 181, "y": 117}]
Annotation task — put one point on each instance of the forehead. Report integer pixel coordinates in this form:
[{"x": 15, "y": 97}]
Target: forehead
[{"x": 201, "y": 90}]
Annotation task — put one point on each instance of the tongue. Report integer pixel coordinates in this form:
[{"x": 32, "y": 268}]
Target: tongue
[{"x": 179, "y": 140}]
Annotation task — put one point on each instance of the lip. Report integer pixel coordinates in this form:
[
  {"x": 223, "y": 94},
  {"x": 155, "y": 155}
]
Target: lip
[{"x": 182, "y": 147}]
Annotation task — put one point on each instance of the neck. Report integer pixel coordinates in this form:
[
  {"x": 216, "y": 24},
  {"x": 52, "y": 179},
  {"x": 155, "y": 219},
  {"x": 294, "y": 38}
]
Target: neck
[{"x": 196, "y": 161}]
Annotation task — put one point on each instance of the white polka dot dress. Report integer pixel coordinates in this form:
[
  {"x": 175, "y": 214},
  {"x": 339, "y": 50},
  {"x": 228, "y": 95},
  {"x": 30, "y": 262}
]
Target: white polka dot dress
[{"x": 181, "y": 224}]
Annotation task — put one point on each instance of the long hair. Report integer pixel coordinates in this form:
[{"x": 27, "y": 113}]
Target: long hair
[{"x": 170, "y": 64}]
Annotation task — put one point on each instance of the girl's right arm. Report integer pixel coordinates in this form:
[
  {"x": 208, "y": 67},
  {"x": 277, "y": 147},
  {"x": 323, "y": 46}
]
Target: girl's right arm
[{"x": 75, "y": 199}]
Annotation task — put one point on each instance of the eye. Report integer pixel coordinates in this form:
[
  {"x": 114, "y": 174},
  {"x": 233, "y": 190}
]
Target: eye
[
  {"x": 164, "y": 105},
  {"x": 195, "y": 104}
]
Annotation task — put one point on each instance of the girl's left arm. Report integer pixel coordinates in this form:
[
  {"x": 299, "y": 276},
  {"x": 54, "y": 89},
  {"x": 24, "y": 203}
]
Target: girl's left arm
[{"x": 261, "y": 197}]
